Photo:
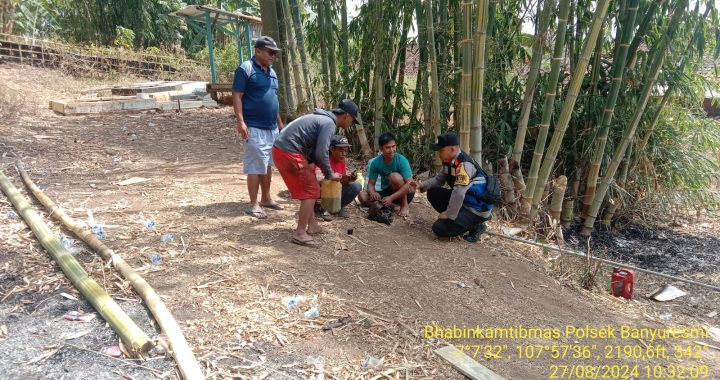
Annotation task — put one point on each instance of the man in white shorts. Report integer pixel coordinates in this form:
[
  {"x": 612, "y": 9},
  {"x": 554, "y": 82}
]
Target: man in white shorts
[{"x": 256, "y": 107}]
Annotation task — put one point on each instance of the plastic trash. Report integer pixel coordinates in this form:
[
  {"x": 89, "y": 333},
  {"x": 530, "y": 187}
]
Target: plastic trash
[
  {"x": 167, "y": 238},
  {"x": 294, "y": 301},
  {"x": 667, "y": 293},
  {"x": 373, "y": 363},
  {"x": 318, "y": 364},
  {"x": 98, "y": 230},
  {"x": 312, "y": 313},
  {"x": 113, "y": 351},
  {"x": 156, "y": 259},
  {"x": 67, "y": 242},
  {"x": 11, "y": 214},
  {"x": 666, "y": 316},
  {"x": 149, "y": 224},
  {"x": 74, "y": 315},
  {"x": 133, "y": 136}
]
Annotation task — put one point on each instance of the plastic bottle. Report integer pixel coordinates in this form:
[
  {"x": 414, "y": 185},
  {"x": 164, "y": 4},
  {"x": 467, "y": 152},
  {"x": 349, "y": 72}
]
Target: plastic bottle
[
  {"x": 361, "y": 180},
  {"x": 312, "y": 313},
  {"x": 167, "y": 238},
  {"x": 156, "y": 259},
  {"x": 330, "y": 193},
  {"x": 98, "y": 230},
  {"x": 294, "y": 301},
  {"x": 373, "y": 363}
]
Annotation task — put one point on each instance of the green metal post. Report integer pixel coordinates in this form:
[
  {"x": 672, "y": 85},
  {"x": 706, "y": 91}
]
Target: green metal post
[
  {"x": 248, "y": 38},
  {"x": 236, "y": 29},
  {"x": 211, "y": 46}
]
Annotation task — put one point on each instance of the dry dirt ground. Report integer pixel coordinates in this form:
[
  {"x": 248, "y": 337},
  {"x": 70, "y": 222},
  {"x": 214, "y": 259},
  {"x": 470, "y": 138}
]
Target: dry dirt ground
[{"x": 226, "y": 276}]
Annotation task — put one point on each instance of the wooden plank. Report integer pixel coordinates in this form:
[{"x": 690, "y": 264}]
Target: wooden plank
[{"x": 467, "y": 365}]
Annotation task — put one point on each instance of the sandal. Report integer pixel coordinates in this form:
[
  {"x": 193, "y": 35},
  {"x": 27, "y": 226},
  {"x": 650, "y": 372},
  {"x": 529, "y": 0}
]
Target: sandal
[
  {"x": 312, "y": 243},
  {"x": 273, "y": 206},
  {"x": 257, "y": 214}
]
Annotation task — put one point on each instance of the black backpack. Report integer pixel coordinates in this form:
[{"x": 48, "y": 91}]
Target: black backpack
[{"x": 492, "y": 192}]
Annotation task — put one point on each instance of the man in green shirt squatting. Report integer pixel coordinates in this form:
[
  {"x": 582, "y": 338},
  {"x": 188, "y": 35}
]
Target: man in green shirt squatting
[{"x": 395, "y": 175}]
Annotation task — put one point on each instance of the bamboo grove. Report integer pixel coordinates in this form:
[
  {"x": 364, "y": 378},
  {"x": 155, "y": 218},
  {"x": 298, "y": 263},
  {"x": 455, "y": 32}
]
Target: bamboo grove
[
  {"x": 601, "y": 104},
  {"x": 595, "y": 104}
]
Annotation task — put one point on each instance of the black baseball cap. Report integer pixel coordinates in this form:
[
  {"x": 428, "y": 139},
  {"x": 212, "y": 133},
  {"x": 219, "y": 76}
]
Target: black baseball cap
[
  {"x": 266, "y": 42},
  {"x": 446, "y": 139},
  {"x": 339, "y": 141},
  {"x": 349, "y": 107}
]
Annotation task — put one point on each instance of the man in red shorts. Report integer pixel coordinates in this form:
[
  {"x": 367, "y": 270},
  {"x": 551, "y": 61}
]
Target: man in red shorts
[{"x": 304, "y": 141}]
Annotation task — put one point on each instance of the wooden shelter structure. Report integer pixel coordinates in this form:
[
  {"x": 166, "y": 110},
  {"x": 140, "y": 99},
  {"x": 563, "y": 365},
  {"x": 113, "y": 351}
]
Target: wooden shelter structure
[{"x": 206, "y": 20}]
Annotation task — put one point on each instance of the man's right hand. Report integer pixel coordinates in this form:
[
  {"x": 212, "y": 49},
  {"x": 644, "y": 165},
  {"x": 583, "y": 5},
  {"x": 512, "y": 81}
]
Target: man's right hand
[
  {"x": 374, "y": 195},
  {"x": 336, "y": 177},
  {"x": 242, "y": 130}
]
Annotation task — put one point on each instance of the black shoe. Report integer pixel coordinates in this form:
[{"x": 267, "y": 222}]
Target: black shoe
[{"x": 473, "y": 235}]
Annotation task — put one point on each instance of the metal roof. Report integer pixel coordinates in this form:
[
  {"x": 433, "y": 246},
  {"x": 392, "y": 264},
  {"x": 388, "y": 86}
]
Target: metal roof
[{"x": 198, "y": 12}]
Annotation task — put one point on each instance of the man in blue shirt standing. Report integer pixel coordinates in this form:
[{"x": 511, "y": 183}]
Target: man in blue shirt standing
[
  {"x": 395, "y": 175},
  {"x": 255, "y": 102}
]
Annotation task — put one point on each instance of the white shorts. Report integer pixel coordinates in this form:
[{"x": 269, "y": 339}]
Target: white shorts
[{"x": 257, "y": 151}]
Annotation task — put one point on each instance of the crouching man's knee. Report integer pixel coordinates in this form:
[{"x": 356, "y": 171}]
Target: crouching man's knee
[
  {"x": 446, "y": 228},
  {"x": 354, "y": 188}
]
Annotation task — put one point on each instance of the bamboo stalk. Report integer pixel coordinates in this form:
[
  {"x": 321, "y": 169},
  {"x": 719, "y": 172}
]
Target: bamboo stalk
[
  {"x": 517, "y": 177},
  {"x": 421, "y": 79},
  {"x": 568, "y": 105},
  {"x": 379, "y": 81},
  {"x": 631, "y": 127},
  {"x": 506, "y": 181},
  {"x": 548, "y": 108},
  {"x": 303, "y": 107},
  {"x": 129, "y": 332},
  {"x": 297, "y": 25},
  {"x": 569, "y": 204},
  {"x": 466, "y": 79},
  {"x": 324, "y": 59},
  {"x": 329, "y": 32},
  {"x": 344, "y": 53},
  {"x": 642, "y": 30},
  {"x": 399, "y": 68},
  {"x": 618, "y": 73},
  {"x": 432, "y": 64},
  {"x": 479, "y": 61},
  {"x": 670, "y": 90},
  {"x": 557, "y": 197},
  {"x": 531, "y": 82},
  {"x": 180, "y": 349}
]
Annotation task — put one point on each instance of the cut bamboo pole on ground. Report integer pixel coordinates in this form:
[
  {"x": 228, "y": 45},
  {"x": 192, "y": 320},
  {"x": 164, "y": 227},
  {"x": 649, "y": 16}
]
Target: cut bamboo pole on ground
[
  {"x": 179, "y": 347},
  {"x": 129, "y": 332}
]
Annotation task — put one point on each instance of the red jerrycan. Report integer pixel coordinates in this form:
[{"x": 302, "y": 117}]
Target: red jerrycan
[{"x": 622, "y": 282}]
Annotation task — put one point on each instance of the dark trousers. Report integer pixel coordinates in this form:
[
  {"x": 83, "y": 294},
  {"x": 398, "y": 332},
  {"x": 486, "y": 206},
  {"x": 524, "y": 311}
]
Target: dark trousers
[
  {"x": 349, "y": 193},
  {"x": 439, "y": 198}
]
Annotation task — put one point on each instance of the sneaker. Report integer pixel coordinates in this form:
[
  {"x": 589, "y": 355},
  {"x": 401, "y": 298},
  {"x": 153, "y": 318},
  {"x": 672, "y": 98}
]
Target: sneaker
[{"x": 474, "y": 232}]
